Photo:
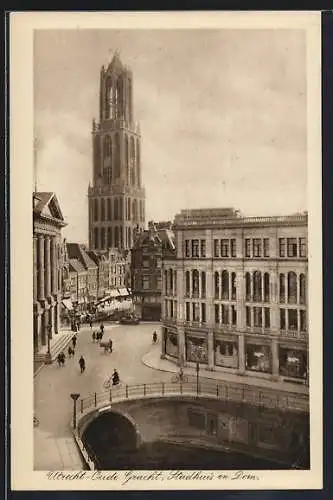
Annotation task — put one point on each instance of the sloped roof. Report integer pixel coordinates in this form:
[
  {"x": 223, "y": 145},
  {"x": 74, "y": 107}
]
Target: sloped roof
[
  {"x": 76, "y": 266},
  {"x": 164, "y": 237},
  {"x": 77, "y": 251},
  {"x": 46, "y": 205}
]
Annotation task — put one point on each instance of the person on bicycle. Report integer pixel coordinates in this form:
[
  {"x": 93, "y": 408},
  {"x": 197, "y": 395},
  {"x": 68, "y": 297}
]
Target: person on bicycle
[
  {"x": 115, "y": 377},
  {"x": 154, "y": 337}
]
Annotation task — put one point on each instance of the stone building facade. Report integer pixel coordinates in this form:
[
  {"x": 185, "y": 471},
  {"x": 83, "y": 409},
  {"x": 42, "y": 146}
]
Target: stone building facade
[
  {"x": 149, "y": 248},
  {"x": 48, "y": 222},
  {"x": 117, "y": 197},
  {"x": 235, "y": 294}
]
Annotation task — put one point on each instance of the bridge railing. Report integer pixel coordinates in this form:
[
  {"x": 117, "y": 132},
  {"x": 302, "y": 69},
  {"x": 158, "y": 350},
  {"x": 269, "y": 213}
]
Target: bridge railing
[{"x": 241, "y": 394}]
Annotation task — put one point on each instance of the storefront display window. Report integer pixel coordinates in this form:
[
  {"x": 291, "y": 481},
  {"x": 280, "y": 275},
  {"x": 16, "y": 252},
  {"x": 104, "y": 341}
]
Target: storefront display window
[
  {"x": 171, "y": 344},
  {"x": 226, "y": 353},
  {"x": 293, "y": 362},
  {"x": 196, "y": 349},
  {"x": 258, "y": 358}
]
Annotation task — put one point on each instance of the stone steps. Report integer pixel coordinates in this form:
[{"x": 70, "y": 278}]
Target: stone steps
[{"x": 59, "y": 343}]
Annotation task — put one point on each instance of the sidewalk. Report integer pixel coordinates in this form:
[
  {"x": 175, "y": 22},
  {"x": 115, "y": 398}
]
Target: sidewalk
[
  {"x": 152, "y": 359},
  {"x": 56, "y": 453}
]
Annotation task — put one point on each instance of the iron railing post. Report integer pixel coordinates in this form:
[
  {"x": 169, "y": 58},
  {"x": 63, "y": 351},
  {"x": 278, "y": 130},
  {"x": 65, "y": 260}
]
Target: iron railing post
[
  {"x": 217, "y": 390},
  {"x": 81, "y": 404},
  {"x": 144, "y": 389},
  {"x": 163, "y": 388},
  {"x": 126, "y": 389},
  {"x": 110, "y": 395},
  {"x": 95, "y": 399}
]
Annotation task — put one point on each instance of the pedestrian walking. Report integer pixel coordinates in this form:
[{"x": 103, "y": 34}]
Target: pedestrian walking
[
  {"x": 74, "y": 339},
  {"x": 82, "y": 364},
  {"x": 70, "y": 352},
  {"x": 102, "y": 328},
  {"x": 93, "y": 336},
  {"x": 110, "y": 345},
  {"x": 90, "y": 324},
  {"x": 61, "y": 359}
]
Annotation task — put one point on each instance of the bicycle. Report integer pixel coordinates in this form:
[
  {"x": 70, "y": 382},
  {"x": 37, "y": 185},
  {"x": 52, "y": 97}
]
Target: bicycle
[
  {"x": 178, "y": 379},
  {"x": 108, "y": 384}
]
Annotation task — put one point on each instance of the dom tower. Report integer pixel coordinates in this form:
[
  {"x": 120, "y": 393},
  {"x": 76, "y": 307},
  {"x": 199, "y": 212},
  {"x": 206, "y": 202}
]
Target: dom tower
[{"x": 117, "y": 198}]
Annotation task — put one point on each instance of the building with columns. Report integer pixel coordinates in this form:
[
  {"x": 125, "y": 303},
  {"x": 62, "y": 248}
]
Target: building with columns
[
  {"x": 116, "y": 197},
  {"x": 48, "y": 222},
  {"x": 235, "y": 294}
]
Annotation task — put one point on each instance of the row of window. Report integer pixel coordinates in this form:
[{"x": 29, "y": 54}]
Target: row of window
[
  {"x": 103, "y": 209},
  {"x": 108, "y": 237},
  {"x": 112, "y": 163},
  {"x": 253, "y": 248},
  {"x": 115, "y": 98},
  {"x": 292, "y": 287},
  {"x": 147, "y": 282}
]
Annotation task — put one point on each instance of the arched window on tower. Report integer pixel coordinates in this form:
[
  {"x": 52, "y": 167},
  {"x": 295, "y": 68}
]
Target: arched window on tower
[
  {"x": 102, "y": 209},
  {"x": 130, "y": 100},
  {"x": 115, "y": 210},
  {"x": 117, "y": 156},
  {"x": 127, "y": 160},
  {"x": 109, "y": 209},
  {"x": 132, "y": 161},
  {"x": 138, "y": 162},
  {"x": 120, "y": 206},
  {"x": 96, "y": 215},
  {"x": 119, "y": 98},
  {"x": 116, "y": 237},
  {"x": 129, "y": 208},
  {"x": 107, "y": 147}
]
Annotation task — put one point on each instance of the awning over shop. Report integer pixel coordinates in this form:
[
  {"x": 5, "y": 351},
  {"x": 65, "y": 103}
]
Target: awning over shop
[
  {"x": 68, "y": 304},
  {"x": 123, "y": 292}
]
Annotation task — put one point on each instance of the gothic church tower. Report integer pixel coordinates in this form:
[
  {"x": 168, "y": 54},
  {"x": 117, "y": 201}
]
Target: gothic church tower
[{"x": 116, "y": 198}]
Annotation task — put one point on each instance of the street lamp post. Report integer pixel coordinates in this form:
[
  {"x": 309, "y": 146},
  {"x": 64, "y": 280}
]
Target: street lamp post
[{"x": 75, "y": 396}]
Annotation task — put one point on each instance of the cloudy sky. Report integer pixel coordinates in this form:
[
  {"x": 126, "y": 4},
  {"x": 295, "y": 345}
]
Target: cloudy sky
[{"x": 222, "y": 114}]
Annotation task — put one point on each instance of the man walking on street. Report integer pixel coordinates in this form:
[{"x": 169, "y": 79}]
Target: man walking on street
[
  {"x": 82, "y": 364},
  {"x": 74, "y": 341}
]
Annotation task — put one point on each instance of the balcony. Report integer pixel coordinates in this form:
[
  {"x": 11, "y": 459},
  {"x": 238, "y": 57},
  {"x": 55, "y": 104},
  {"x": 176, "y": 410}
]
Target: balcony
[
  {"x": 196, "y": 324},
  {"x": 294, "y": 334},
  {"x": 222, "y": 328}
]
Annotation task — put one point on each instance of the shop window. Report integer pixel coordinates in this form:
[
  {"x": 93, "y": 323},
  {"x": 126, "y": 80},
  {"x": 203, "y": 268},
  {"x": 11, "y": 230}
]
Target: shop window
[
  {"x": 248, "y": 316},
  {"x": 171, "y": 344},
  {"x": 233, "y": 286},
  {"x": 225, "y": 285},
  {"x": 282, "y": 287},
  {"x": 225, "y": 314},
  {"x": 257, "y": 247},
  {"x": 203, "y": 248},
  {"x": 248, "y": 286},
  {"x": 292, "y": 247},
  {"x": 282, "y": 247},
  {"x": 292, "y": 319},
  {"x": 226, "y": 354},
  {"x": 303, "y": 320},
  {"x": 187, "y": 311},
  {"x": 203, "y": 284},
  {"x": 267, "y": 317},
  {"x": 195, "y": 283},
  {"x": 293, "y": 362},
  {"x": 195, "y": 248},
  {"x": 266, "y": 247},
  {"x": 217, "y": 284},
  {"x": 217, "y": 313},
  {"x": 258, "y": 358},
  {"x": 187, "y": 283},
  {"x": 302, "y": 289},
  {"x": 203, "y": 312},
  {"x": 257, "y": 286},
  {"x": 216, "y": 248},
  {"x": 257, "y": 316},
  {"x": 196, "y": 349},
  {"x": 234, "y": 315},
  {"x": 266, "y": 287},
  {"x": 247, "y": 247},
  {"x": 292, "y": 288},
  {"x": 302, "y": 247},
  {"x": 224, "y": 248},
  {"x": 282, "y": 319},
  {"x": 233, "y": 247}
]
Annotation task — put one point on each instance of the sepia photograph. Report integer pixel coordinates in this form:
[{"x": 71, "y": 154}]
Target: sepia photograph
[{"x": 175, "y": 189}]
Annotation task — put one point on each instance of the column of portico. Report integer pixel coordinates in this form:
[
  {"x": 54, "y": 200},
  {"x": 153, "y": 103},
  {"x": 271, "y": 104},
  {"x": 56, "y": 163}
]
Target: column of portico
[
  {"x": 49, "y": 315},
  {"x": 241, "y": 320},
  {"x": 41, "y": 265},
  {"x": 35, "y": 284}
]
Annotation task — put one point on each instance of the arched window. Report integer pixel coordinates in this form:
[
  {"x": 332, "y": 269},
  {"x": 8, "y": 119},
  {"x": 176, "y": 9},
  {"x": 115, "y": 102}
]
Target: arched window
[
  {"x": 257, "y": 286},
  {"x": 109, "y": 209},
  {"x": 217, "y": 284},
  {"x": 130, "y": 99},
  {"x": 117, "y": 156},
  {"x": 266, "y": 287},
  {"x": 195, "y": 283},
  {"x": 116, "y": 237},
  {"x": 129, "y": 208},
  {"x": 225, "y": 285},
  {"x": 107, "y": 147},
  {"x": 203, "y": 284},
  {"x": 138, "y": 160},
  {"x": 248, "y": 286},
  {"x": 127, "y": 160},
  {"x": 108, "y": 91},
  {"x": 166, "y": 282},
  {"x": 115, "y": 210},
  {"x": 132, "y": 161},
  {"x": 96, "y": 242},
  {"x": 102, "y": 209},
  {"x": 96, "y": 214},
  {"x": 129, "y": 237},
  {"x": 170, "y": 281},
  {"x": 187, "y": 283},
  {"x": 102, "y": 246},
  {"x": 135, "y": 211},
  {"x": 119, "y": 98},
  {"x": 120, "y": 207},
  {"x": 109, "y": 237},
  {"x": 292, "y": 288},
  {"x": 233, "y": 286},
  {"x": 282, "y": 287},
  {"x": 175, "y": 282},
  {"x": 121, "y": 237},
  {"x": 302, "y": 289}
]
